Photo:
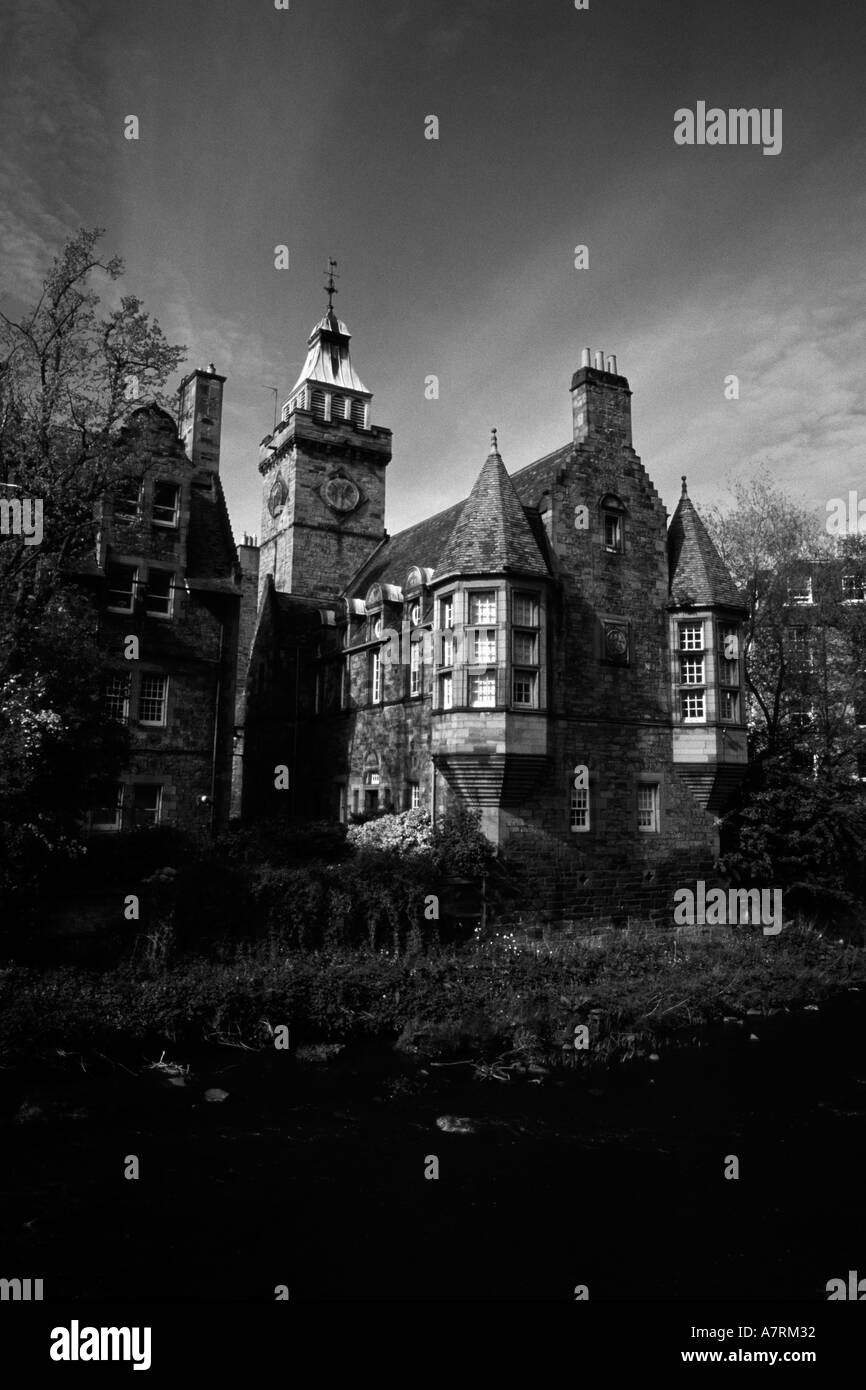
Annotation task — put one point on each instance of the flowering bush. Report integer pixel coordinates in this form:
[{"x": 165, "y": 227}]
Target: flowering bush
[{"x": 407, "y": 833}]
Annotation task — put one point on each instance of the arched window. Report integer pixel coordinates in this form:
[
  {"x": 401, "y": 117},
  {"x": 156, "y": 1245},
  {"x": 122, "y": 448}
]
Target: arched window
[
  {"x": 359, "y": 415},
  {"x": 338, "y": 408},
  {"x": 317, "y": 405}
]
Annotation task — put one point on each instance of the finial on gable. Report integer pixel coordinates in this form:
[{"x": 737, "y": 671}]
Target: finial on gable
[
  {"x": 683, "y": 476},
  {"x": 494, "y": 443}
]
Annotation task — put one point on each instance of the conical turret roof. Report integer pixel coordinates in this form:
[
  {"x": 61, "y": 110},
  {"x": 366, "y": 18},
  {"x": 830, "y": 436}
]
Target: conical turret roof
[
  {"x": 698, "y": 575},
  {"x": 491, "y": 533}
]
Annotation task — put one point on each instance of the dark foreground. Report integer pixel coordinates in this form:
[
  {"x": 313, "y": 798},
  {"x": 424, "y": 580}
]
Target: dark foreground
[{"x": 312, "y": 1175}]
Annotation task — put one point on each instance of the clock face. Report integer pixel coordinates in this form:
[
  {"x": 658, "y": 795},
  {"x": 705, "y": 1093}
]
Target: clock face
[
  {"x": 277, "y": 498},
  {"x": 342, "y": 494}
]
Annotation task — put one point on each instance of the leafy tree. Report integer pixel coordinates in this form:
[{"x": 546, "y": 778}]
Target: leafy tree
[
  {"x": 803, "y": 660},
  {"x": 69, "y": 375}
]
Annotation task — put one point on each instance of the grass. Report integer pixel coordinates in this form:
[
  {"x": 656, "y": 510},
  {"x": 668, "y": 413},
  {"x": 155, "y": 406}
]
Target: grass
[{"x": 636, "y": 990}]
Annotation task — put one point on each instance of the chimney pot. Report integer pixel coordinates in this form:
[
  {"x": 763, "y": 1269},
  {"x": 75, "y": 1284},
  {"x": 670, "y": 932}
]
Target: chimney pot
[
  {"x": 584, "y": 357},
  {"x": 611, "y": 365},
  {"x": 599, "y": 361}
]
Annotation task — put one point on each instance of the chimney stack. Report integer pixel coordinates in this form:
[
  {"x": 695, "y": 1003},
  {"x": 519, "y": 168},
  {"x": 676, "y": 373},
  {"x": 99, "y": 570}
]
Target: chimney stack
[
  {"x": 199, "y": 417},
  {"x": 600, "y": 401}
]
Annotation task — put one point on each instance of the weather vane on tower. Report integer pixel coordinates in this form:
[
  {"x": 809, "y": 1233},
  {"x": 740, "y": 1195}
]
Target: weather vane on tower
[{"x": 330, "y": 286}]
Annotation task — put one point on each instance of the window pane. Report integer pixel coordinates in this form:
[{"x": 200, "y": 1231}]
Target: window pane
[
  {"x": 482, "y": 608},
  {"x": 647, "y": 806},
  {"x": 482, "y": 692},
  {"x": 151, "y": 699},
  {"x": 146, "y": 804},
  {"x": 415, "y": 668},
  {"x": 526, "y": 648},
  {"x": 579, "y": 808},
  {"x": 107, "y": 805},
  {"x": 524, "y": 688},
  {"x": 730, "y": 704},
  {"x": 447, "y": 691},
  {"x": 525, "y": 610},
  {"x": 127, "y": 499},
  {"x": 377, "y": 677},
  {"x": 158, "y": 593},
  {"x": 692, "y": 670},
  {"x": 414, "y": 796},
  {"x": 485, "y": 646},
  {"x": 121, "y": 587},
  {"x": 691, "y": 637},
  {"x": 165, "y": 499},
  {"x": 693, "y": 706},
  {"x": 612, "y": 532},
  {"x": 116, "y": 697}
]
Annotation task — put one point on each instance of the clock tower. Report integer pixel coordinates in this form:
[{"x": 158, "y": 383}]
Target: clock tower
[{"x": 323, "y": 472}]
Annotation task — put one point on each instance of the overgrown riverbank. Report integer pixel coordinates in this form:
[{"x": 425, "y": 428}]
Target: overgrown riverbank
[{"x": 635, "y": 991}]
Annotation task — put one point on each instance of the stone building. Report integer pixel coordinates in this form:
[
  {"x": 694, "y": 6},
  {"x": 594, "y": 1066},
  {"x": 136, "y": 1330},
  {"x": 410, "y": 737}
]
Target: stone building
[
  {"x": 548, "y": 650},
  {"x": 166, "y": 582}
]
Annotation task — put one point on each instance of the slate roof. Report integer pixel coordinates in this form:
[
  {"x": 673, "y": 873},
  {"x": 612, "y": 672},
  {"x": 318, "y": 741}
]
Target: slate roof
[
  {"x": 491, "y": 534},
  {"x": 421, "y": 544},
  {"x": 488, "y": 531},
  {"x": 698, "y": 576}
]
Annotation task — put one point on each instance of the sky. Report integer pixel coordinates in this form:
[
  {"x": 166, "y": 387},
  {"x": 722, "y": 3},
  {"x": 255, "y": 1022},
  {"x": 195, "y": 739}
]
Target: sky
[{"x": 305, "y": 127}]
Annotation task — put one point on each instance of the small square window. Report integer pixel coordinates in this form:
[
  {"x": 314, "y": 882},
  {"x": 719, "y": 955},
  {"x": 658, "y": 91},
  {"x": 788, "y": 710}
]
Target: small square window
[
  {"x": 166, "y": 499},
  {"x": 158, "y": 594},
  {"x": 692, "y": 670},
  {"x": 525, "y": 688},
  {"x": 691, "y": 637},
  {"x": 482, "y": 692},
  {"x": 122, "y": 584},
  {"x": 692, "y": 706},
  {"x": 482, "y": 608}
]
